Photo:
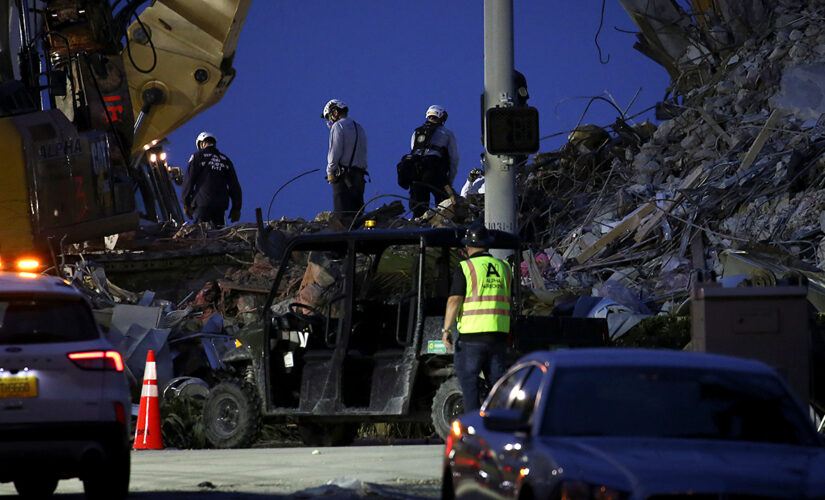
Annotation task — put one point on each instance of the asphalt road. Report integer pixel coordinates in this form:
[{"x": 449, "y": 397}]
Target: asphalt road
[{"x": 403, "y": 472}]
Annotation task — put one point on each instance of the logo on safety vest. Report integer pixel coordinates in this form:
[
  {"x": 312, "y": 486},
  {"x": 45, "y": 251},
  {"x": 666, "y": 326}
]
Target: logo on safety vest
[{"x": 491, "y": 270}]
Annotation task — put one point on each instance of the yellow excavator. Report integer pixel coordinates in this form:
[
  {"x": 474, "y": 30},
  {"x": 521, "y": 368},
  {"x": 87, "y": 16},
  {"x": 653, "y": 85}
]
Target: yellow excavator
[{"x": 88, "y": 91}]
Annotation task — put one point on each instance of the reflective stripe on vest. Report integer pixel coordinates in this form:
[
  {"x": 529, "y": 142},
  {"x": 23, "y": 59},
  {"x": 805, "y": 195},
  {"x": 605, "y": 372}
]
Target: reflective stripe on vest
[{"x": 487, "y": 299}]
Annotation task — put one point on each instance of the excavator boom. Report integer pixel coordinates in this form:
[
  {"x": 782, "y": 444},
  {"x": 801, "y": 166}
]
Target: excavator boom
[
  {"x": 178, "y": 61},
  {"x": 81, "y": 113}
]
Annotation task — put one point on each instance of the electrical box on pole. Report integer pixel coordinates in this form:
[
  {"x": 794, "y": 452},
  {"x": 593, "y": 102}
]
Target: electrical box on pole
[{"x": 512, "y": 130}]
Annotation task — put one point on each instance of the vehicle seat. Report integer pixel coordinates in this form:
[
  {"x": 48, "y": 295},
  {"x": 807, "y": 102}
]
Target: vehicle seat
[
  {"x": 374, "y": 327},
  {"x": 435, "y": 306}
]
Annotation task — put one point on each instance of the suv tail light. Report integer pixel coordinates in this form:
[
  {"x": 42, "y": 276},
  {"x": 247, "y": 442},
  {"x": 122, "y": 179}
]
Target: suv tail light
[{"x": 97, "y": 360}]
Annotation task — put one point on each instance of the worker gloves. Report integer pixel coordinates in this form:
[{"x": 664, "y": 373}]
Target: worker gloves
[{"x": 235, "y": 214}]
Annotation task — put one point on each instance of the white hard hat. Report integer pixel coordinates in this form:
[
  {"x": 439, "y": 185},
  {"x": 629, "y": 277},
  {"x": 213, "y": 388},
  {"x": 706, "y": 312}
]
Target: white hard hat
[
  {"x": 436, "y": 111},
  {"x": 203, "y": 136},
  {"x": 333, "y": 104}
]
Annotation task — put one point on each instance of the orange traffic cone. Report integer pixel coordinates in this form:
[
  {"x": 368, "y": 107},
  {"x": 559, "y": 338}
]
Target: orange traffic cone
[{"x": 147, "y": 435}]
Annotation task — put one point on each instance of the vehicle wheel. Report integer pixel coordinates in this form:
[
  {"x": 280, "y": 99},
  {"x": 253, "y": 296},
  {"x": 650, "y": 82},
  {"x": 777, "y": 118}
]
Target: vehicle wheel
[
  {"x": 35, "y": 487},
  {"x": 448, "y": 404},
  {"x": 526, "y": 493},
  {"x": 232, "y": 415},
  {"x": 109, "y": 478},
  {"x": 318, "y": 434}
]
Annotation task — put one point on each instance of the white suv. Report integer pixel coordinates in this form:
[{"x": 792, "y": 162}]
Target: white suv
[{"x": 64, "y": 399}]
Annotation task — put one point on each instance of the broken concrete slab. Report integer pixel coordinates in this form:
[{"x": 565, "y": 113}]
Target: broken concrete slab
[{"x": 126, "y": 315}]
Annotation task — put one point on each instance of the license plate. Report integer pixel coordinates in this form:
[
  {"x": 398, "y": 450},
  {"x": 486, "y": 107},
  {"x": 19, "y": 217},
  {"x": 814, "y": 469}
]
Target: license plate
[{"x": 18, "y": 387}]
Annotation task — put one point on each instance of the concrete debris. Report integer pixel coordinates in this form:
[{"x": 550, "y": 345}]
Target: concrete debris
[
  {"x": 217, "y": 281},
  {"x": 616, "y": 223},
  {"x": 738, "y": 163}
]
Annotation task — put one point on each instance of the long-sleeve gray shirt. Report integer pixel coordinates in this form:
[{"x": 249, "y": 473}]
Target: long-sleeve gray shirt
[
  {"x": 443, "y": 137},
  {"x": 341, "y": 142}
]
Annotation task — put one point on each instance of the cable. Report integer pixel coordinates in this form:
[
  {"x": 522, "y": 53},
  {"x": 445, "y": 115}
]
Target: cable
[
  {"x": 121, "y": 19},
  {"x": 360, "y": 210},
  {"x": 596, "y": 38},
  {"x": 152, "y": 45},
  {"x": 626, "y": 118},
  {"x": 285, "y": 185}
]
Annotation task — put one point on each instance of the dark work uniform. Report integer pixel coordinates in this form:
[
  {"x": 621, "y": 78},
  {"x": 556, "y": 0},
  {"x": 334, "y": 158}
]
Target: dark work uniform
[
  {"x": 476, "y": 352},
  {"x": 436, "y": 148},
  {"x": 209, "y": 184}
]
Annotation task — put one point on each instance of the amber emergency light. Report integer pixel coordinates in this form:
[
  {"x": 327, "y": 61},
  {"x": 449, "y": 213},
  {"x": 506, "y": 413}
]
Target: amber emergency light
[{"x": 27, "y": 264}]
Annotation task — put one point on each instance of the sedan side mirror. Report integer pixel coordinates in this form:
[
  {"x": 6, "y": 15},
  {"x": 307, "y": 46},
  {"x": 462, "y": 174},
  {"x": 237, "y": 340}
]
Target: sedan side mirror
[{"x": 505, "y": 420}]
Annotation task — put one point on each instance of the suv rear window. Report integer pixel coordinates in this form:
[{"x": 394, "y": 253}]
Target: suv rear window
[{"x": 38, "y": 320}]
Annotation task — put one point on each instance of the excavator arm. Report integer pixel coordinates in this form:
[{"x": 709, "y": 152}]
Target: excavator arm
[
  {"x": 178, "y": 62},
  {"x": 77, "y": 108}
]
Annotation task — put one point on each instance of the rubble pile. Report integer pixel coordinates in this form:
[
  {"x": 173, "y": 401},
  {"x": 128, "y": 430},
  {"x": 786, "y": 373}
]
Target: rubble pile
[
  {"x": 737, "y": 163},
  {"x": 622, "y": 215},
  {"x": 192, "y": 306}
]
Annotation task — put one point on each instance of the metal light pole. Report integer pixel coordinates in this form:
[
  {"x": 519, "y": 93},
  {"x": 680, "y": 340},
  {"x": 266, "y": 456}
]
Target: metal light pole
[{"x": 499, "y": 178}]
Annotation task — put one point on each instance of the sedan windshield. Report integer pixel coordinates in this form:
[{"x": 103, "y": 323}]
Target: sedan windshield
[
  {"x": 673, "y": 402},
  {"x": 37, "y": 320}
]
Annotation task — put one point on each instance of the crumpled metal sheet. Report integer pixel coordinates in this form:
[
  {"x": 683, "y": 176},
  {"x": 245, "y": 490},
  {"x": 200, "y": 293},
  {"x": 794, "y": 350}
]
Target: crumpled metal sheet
[
  {"x": 136, "y": 344},
  {"x": 126, "y": 315}
]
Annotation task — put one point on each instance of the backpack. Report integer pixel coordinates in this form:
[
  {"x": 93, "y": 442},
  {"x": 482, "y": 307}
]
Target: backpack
[
  {"x": 423, "y": 137},
  {"x": 411, "y": 166},
  {"x": 409, "y": 170}
]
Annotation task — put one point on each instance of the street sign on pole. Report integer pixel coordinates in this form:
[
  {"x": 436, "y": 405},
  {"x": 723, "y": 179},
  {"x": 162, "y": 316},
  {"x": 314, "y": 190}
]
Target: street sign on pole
[{"x": 512, "y": 130}]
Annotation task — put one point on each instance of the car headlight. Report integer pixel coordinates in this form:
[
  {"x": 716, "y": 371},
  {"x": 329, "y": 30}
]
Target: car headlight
[{"x": 580, "y": 490}]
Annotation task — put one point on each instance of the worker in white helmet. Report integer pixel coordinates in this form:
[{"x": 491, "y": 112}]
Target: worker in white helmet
[
  {"x": 474, "y": 184},
  {"x": 437, "y": 152},
  {"x": 210, "y": 183},
  {"x": 346, "y": 160}
]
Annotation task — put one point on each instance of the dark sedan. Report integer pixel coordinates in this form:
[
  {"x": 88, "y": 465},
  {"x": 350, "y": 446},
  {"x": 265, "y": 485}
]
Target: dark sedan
[{"x": 622, "y": 424}]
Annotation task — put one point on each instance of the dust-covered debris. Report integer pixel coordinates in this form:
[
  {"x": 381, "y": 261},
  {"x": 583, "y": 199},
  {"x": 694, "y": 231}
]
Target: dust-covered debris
[{"x": 615, "y": 223}]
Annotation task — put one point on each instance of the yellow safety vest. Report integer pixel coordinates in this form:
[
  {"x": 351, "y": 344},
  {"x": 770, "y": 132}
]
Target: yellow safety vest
[{"x": 487, "y": 299}]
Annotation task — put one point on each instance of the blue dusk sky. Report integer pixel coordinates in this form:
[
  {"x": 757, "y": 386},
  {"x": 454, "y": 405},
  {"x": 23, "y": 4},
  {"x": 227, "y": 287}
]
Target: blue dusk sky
[{"x": 389, "y": 60}]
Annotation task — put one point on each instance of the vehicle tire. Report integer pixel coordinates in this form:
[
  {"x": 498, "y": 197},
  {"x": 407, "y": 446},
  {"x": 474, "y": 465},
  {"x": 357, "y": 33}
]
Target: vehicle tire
[
  {"x": 232, "y": 415},
  {"x": 526, "y": 493},
  {"x": 332, "y": 434},
  {"x": 109, "y": 479},
  {"x": 35, "y": 487},
  {"x": 448, "y": 404}
]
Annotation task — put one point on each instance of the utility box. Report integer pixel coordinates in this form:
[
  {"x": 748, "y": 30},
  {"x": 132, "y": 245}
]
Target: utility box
[{"x": 769, "y": 324}]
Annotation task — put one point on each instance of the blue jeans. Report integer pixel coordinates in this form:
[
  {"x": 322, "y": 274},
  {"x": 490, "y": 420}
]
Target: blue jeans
[{"x": 474, "y": 357}]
